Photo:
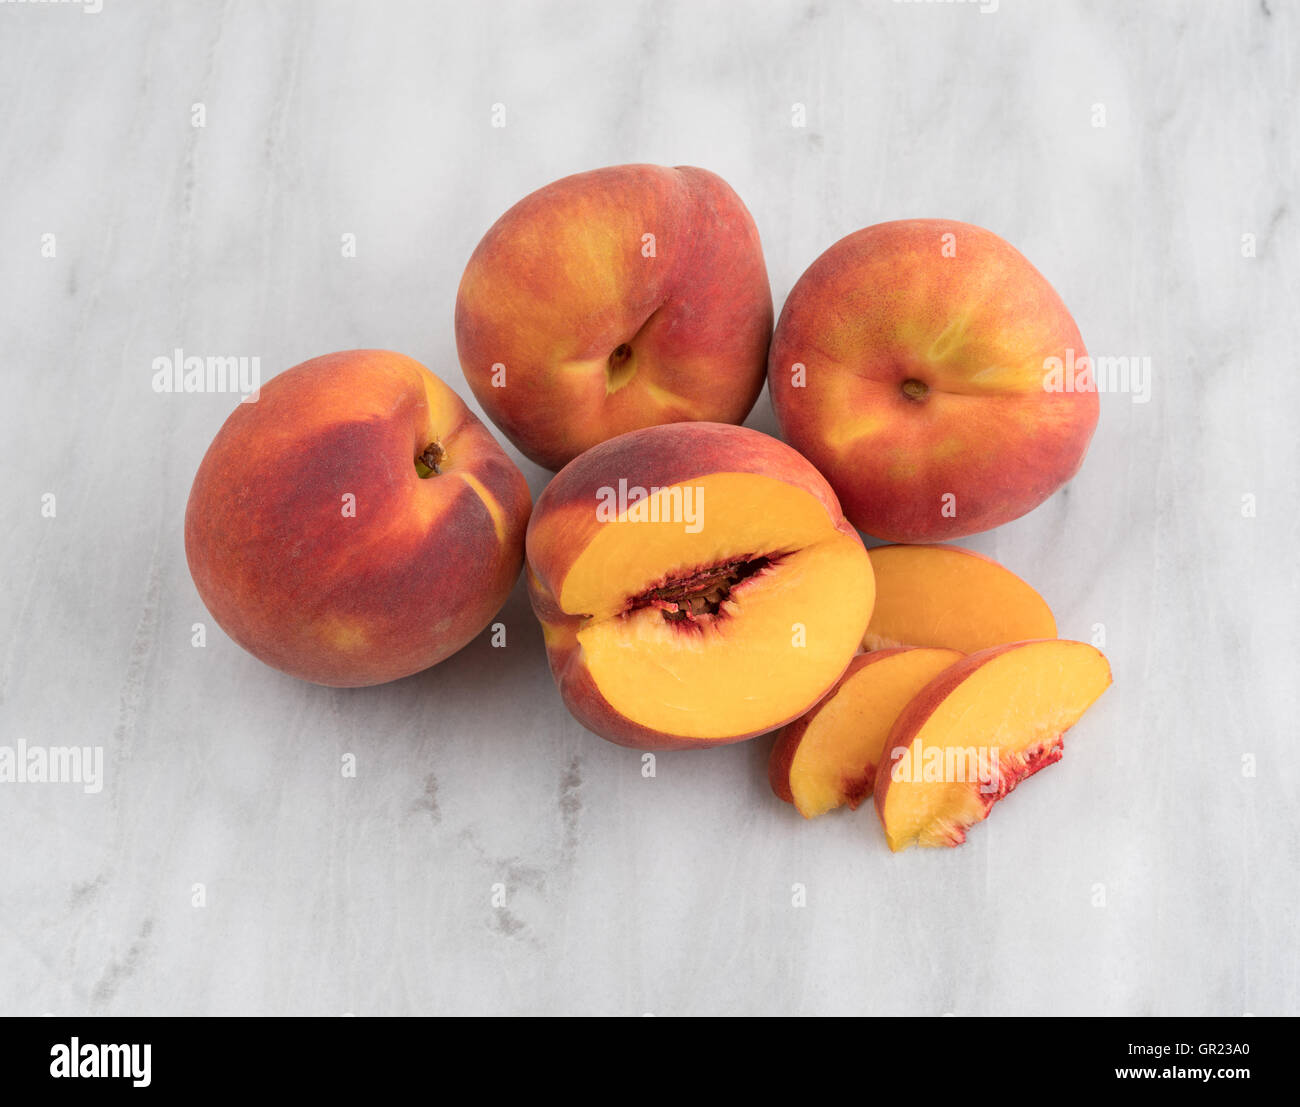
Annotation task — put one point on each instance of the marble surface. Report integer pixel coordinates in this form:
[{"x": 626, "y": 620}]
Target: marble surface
[{"x": 1127, "y": 149}]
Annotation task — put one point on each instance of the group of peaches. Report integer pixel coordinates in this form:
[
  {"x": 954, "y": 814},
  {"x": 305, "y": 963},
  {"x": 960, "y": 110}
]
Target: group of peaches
[{"x": 698, "y": 583}]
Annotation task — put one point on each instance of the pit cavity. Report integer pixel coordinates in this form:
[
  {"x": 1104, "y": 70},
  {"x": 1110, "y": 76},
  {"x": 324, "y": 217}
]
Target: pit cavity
[{"x": 699, "y": 594}]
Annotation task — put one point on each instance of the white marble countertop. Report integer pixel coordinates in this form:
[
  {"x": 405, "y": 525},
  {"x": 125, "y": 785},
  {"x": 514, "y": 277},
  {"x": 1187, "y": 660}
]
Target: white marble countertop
[{"x": 1153, "y": 872}]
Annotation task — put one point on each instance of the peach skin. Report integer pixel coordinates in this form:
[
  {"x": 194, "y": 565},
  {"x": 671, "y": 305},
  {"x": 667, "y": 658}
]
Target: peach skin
[
  {"x": 612, "y": 300},
  {"x": 914, "y": 365},
  {"x": 356, "y": 523}
]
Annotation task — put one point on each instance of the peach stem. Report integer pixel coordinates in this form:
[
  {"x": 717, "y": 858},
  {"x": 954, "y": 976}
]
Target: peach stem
[{"x": 430, "y": 459}]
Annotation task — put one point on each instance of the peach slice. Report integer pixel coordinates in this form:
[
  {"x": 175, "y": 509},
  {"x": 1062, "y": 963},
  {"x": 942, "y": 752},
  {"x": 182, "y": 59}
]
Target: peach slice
[
  {"x": 978, "y": 729},
  {"x": 950, "y": 597},
  {"x": 697, "y": 584},
  {"x": 829, "y": 756}
]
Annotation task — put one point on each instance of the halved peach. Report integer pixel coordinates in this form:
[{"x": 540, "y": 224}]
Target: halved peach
[
  {"x": 828, "y": 757},
  {"x": 697, "y": 584},
  {"x": 950, "y": 597},
  {"x": 978, "y": 729}
]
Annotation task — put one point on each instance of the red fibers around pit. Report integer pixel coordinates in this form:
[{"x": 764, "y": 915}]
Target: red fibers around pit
[
  {"x": 700, "y": 593},
  {"x": 1028, "y": 763}
]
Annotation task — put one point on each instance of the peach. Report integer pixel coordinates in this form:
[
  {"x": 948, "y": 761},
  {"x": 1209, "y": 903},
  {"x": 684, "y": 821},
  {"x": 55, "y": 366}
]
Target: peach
[
  {"x": 947, "y": 596},
  {"x": 612, "y": 300},
  {"x": 976, "y": 731},
  {"x": 920, "y": 365},
  {"x": 697, "y": 584},
  {"x": 356, "y": 523},
  {"x": 829, "y": 756}
]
